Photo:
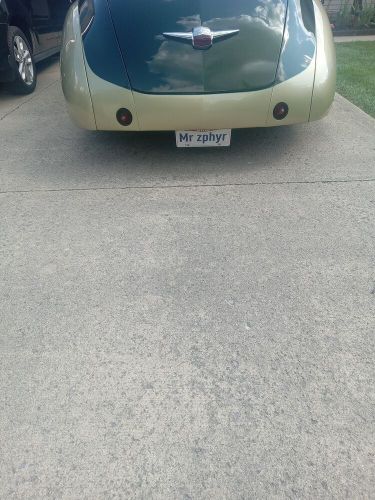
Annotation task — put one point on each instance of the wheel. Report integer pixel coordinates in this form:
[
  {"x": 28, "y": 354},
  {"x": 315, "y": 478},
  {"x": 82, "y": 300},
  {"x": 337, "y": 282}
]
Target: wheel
[{"x": 22, "y": 61}]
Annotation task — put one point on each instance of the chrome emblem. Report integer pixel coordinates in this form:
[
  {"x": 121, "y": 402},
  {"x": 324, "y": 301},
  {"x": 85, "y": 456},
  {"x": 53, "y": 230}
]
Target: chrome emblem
[{"x": 201, "y": 38}]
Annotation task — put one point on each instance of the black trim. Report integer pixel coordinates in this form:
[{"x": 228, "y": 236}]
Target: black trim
[{"x": 206, "y": 93}]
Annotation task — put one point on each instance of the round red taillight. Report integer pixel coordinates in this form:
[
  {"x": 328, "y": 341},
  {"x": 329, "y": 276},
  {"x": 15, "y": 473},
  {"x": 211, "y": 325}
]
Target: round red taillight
[
  {"x": 280, "y": 110},
  {"x": 124, "y": 117}
]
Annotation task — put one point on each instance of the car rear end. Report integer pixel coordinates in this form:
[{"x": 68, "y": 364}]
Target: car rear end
[{"x": 123, "y": 71}]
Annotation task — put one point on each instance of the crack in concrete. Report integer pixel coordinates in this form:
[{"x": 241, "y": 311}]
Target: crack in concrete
[
  {"x": 34, "y": 96},
  {"x": 188, "y": 186}
]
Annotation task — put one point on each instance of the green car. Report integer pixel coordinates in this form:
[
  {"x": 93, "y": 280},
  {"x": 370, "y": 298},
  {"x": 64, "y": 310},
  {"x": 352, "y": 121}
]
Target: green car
[{"x": 198, "y": 67}]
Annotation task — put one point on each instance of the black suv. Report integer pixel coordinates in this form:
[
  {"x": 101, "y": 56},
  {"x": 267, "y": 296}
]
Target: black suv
[{"x": 30, "y": 30}]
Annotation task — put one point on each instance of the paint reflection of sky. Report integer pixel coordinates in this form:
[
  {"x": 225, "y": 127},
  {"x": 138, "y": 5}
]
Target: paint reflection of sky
[
  {"x": 299, "y": 44},
  {"x": 247, "y": 61},
  {"x": 226, "y": 66}
]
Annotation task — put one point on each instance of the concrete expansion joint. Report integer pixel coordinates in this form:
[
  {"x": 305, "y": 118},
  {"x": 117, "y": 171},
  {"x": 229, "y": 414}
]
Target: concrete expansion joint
[
  {"x": 32, "y": 98},
  {"x": 190, "y": 186}
]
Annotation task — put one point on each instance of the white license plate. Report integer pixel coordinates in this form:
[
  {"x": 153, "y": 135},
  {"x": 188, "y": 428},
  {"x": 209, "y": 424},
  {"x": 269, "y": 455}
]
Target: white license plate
[{"x": 203, "y": 138}]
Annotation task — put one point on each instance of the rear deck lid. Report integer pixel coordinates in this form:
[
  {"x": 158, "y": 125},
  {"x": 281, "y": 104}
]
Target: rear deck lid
[{"x": 159, "y": 62}]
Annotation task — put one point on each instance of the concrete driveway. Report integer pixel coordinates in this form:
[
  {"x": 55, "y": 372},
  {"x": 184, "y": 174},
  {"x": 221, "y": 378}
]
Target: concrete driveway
[{"x": 185, "y": 324}]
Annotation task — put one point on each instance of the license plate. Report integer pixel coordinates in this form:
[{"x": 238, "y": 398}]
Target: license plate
[{"x": 203, "y": 138}]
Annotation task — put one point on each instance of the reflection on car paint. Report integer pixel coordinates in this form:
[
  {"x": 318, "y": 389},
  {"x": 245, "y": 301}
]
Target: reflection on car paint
[
  {"x": 299, "y": 43},
  {"x": 147, "y": 62}
]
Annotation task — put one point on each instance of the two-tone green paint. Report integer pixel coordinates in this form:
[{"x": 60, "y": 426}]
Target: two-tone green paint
[
  {"x": 153, "y": 64},
  {"x": 93, "y": 101}
]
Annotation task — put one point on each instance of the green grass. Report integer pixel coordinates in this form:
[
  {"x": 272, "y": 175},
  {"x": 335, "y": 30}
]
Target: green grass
[{"x": 356, "y": 73}]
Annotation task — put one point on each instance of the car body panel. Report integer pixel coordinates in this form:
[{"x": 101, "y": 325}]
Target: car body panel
[
  {"x": 40, "y": 20},
  {"x": 6, "y": 71},
  {"x": 155, "y": 64},
  {"x": 206, "y": 111},
  {"x": 158, "y": 65},
  {"x": 299, "y": 41},
  {"x": 101, "y": 48},
  {"x": 192, "y": 111},
  {"x": 45, "y": 33},
  {"x": 325, "y": 74},
  {"x": 74, "y": 80}
]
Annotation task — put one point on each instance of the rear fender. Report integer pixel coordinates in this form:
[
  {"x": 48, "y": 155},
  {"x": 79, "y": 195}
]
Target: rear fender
[
  {"x": 325, "y": 73},
  {"x": 74, "y": 79}
]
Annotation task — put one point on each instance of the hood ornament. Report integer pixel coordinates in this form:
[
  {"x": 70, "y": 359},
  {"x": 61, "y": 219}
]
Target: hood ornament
[{"x": 201, "y": 38}]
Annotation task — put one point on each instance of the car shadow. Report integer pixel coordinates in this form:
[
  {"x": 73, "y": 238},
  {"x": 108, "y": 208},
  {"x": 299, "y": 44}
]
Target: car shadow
[
  {"x": 251, "y": 149},
  {"x": 46, "y": 64}
]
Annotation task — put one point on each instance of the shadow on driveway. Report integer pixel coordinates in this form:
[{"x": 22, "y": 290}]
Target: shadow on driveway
[{"x": 115, "y": 152}]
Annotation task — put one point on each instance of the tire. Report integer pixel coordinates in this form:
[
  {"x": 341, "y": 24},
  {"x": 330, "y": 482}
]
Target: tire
[{"x": 22, "y": 61}]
